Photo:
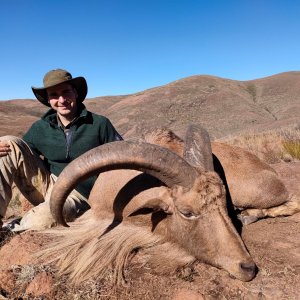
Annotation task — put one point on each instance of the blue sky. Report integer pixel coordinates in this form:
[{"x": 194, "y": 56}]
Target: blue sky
[{"x": 123, "y": 47}]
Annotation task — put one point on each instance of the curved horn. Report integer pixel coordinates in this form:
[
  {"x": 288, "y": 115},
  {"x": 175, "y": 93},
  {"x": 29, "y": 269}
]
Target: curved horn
[
  {"x": 157, "y": 161},
  {"x": 197, "y": 148}
]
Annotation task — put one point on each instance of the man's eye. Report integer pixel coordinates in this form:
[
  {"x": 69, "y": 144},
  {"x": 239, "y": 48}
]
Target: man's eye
[{"x": 68, "y": 93}]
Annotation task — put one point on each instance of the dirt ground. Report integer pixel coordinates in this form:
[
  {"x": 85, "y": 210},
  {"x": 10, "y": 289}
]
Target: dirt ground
[{"x": 274, "y": 245}]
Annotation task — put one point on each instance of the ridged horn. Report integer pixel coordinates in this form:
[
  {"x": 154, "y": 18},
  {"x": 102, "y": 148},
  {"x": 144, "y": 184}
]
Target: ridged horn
[
  {"x": 157, "y": 161},
  {"x": 197, "y": 148}
]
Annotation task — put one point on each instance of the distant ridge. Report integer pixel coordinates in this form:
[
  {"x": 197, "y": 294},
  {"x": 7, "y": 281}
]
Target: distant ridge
[{"x": 223, "y": 106}]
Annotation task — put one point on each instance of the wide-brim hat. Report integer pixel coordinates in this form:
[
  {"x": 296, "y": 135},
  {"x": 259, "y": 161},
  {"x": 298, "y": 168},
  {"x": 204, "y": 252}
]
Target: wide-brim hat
[{"x": 56, "y": 77}]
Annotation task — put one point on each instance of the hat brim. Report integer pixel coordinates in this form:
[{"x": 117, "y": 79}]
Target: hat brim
[{"x": 79, "y": 83}]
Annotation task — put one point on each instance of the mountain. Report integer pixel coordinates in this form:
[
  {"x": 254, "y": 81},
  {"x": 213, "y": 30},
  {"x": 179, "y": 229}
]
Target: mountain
[{"x": 225, "y": 107}]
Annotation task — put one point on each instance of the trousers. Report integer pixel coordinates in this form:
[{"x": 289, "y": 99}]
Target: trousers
[{"x": 28, "y": 172}]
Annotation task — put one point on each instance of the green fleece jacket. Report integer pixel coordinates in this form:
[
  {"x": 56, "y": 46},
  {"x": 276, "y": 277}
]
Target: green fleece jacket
[{"x": 47, "y": 138}]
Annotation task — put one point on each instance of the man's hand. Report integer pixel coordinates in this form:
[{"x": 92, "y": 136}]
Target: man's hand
[{"x": 4, "y": 149}]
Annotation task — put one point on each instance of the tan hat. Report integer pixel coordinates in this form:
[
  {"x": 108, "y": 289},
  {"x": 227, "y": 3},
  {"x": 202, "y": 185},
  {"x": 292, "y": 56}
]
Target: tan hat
[{"x": 56, "y": 77}]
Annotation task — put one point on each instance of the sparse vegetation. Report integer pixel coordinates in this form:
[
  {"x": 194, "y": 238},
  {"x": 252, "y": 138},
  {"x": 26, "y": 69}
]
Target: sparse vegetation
[
  {"x": 251, "y": 89},
  {"x": 26, "y": 274},
  {"x": 292, "y": 148},
  {"x": 291, "y": 143},
  {"x": 270, "y": 146}
]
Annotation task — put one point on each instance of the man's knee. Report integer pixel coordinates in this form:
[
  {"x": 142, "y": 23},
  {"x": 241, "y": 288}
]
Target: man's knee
[
  {"x": 9, "y": 138},
  {"x": 15, "y": 142}
]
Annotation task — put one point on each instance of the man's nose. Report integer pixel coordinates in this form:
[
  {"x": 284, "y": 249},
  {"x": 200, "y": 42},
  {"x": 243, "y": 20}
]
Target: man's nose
[{"x": 61, "y": 99}]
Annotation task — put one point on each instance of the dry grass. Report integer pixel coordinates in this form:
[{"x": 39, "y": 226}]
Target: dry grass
[
  {"x": 292, "y": 147},
  {"x": 25, "y": 274},
  {"x": 93, "y": 289},
  {"x": 270, "y": 146}
]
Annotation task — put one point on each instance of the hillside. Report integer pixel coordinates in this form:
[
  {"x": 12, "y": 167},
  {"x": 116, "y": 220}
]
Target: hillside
[{"x": 223, "y": 106}]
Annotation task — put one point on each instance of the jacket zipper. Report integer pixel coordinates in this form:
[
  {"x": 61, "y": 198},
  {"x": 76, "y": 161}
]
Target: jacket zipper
[{"x": 68, "y": 142}]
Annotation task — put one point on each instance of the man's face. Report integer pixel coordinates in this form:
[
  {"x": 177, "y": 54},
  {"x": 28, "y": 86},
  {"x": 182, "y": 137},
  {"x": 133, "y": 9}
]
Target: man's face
[{"x": 62, "y": 98}]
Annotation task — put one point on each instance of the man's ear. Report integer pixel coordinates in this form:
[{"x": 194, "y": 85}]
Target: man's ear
[{"x": 151, "y": 206}]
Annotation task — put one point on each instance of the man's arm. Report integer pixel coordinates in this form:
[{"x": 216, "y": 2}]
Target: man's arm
[{"x": 110, "y": 134}]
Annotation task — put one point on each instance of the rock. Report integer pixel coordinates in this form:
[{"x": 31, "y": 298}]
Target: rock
[
  {"x": 7, "y": 281},
  {"x": 41, "y": 285}
]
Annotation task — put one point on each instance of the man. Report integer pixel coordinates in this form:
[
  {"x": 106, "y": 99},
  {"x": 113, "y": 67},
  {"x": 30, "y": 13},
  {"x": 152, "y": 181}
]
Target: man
[{"x": 65, "y": 132}]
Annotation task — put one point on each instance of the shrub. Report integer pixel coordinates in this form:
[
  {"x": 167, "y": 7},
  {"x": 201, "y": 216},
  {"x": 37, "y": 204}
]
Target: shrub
[
  {"x": 292, "y": 148},
  {"x": 291, "y": 142},
  {"x": 270, "y": 146}
]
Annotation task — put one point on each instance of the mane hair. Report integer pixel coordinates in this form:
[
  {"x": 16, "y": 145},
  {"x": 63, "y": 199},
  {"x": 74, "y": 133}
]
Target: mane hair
[{"x": 85, "y": 250}]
